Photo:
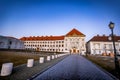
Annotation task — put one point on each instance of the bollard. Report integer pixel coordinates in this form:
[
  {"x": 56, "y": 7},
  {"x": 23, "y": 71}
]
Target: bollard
[
  {"x": 48, "y": 58},
  {"x": 41, "y": 60},
  {"x": 30, "y": 62},
  {"x": 53, "y": 56},
  {"x": 56, "y": 56},
  {"x": 6, "y": 69}
]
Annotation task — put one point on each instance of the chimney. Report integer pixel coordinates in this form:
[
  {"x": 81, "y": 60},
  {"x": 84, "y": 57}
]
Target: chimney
[
  {"x": 103, "y": 34},
  {"x": 114, "y": 34},
  {"x": 97, "y": 34}
]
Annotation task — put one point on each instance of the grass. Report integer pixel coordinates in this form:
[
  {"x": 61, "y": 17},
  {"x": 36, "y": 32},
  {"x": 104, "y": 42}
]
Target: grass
[
  {"x": 22, "y": 72},
  {"x": 106, "y": 63},
  {"x": 18, "y": 58}
]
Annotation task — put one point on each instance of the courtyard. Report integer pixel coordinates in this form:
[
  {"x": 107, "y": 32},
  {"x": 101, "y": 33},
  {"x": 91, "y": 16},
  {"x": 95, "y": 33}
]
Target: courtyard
[{"x": 103, "y": 63}]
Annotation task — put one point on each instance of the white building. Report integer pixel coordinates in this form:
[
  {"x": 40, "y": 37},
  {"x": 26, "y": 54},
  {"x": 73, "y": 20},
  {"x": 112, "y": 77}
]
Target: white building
[
  {"x": 10, "y": 43},
  {"x": 101, "y": 44},
  {"x": 73, "y": 42}
]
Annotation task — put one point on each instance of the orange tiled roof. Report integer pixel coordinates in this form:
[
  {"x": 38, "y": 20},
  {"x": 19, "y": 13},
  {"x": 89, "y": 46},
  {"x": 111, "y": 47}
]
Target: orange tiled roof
[
  {"x": 104, "y": 38},
  {"x": 42, "y": 38},
  {"x": 74, "y": 31}
]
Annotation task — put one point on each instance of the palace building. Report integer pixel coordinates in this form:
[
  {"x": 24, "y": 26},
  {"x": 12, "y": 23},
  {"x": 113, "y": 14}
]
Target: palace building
[
  {"x": 73, "y": 42},
  {"x": 103, "y": 44}
]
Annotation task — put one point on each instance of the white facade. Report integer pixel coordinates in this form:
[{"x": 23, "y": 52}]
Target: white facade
[
  {"x": 10, "y": 43},
  {"x": 69, "y": 44},
  {"x": 45, "y": 45},
  {"x": 99, "y": 47},
  {"x": 73, "y": 42}
]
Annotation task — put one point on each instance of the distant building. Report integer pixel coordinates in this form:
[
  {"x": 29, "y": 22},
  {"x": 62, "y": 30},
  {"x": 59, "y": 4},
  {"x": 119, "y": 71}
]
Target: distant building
[
  {"x": 10, "y": 43},
  {"x": 102, "y": 44},
  {"x": 73, "y": 42}
]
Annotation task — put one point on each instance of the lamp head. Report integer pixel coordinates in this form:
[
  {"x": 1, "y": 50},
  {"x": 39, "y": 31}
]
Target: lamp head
[
  {"x": 109, "y": 38},
  {"x": 111, "y": 25}
]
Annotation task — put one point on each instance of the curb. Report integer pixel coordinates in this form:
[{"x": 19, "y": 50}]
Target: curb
[
  {"x": 115, "y": 78},
  {"x": 34, "y": 76}
]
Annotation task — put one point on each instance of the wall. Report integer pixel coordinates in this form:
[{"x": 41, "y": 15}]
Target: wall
[
  {"x": 102, "y": 47},
  {"x": 10, "y": 43}
]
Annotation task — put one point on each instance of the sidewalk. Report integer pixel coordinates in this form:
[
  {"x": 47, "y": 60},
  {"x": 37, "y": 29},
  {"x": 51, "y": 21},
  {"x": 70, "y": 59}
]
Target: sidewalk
[
  {"x": 22, "y": 72},
  {"x": 74, "y": 67}
]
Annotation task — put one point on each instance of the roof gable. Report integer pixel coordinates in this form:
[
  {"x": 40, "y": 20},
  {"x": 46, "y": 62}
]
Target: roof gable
[
  {"x": 104, "y": 38},
  {"x": 74, "y": 32}
]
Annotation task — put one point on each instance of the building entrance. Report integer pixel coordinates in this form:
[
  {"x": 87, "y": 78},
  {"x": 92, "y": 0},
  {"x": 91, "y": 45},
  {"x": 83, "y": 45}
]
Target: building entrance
[{"x": 74, "y": 51}]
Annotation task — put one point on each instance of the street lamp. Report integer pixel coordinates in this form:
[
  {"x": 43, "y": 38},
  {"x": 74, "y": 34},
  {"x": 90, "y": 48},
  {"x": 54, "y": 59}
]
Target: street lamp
[{"x": 111, "y": 26}]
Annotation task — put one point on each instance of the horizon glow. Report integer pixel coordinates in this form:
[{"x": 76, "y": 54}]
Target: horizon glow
[{"x": 21, "y": 18}]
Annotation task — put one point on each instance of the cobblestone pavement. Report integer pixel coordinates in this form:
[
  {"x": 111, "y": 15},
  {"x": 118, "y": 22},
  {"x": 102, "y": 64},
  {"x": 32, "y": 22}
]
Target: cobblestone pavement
[
  {"x": 23, "y": 73},
  {"x": 74, "y": 67}
]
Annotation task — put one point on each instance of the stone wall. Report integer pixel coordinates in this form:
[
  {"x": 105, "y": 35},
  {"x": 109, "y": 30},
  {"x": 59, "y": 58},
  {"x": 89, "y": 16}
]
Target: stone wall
[{"x": 10, "y": 43}]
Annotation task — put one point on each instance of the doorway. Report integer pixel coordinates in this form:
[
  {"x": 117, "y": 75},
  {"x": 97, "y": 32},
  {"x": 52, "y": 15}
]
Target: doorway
[{"x": 74, "y": 50}]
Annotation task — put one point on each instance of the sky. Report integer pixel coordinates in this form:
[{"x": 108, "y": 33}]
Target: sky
[{"x": 19, "y": 18}]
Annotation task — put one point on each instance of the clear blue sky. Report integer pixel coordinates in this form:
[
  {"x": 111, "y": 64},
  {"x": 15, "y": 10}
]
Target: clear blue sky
[{"x": 20, "y": 18}]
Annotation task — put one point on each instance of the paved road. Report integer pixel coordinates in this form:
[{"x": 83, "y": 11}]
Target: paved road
[{"x": 74, "y": 67}]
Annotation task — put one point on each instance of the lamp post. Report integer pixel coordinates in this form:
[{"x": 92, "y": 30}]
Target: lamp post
[{"x": 111, "y": 26}]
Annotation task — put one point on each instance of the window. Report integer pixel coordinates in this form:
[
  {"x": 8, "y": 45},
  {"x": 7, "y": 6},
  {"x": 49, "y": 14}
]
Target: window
[
  {"x": 82, "y": 39},
  {"x": 110, "y": 46},
  {"x": 66, "y": 45}
]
